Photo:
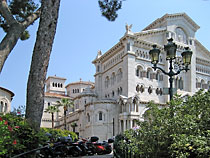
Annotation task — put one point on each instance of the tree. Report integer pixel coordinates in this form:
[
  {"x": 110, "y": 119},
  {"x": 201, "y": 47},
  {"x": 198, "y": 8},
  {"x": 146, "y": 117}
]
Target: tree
[
  {"x": 40, "y": 61},
  {"x": 52, "y": 109},
  {"x": 65, "y": 103},
  {"x": 15, "y": 18},
  {"x": 185, "y": 134},
  {"x": 73, "y": 125}
]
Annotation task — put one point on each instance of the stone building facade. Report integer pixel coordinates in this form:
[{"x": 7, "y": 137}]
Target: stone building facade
[
  {"x": 6, "y": 97},
  {"x": 125, "y": 81}
]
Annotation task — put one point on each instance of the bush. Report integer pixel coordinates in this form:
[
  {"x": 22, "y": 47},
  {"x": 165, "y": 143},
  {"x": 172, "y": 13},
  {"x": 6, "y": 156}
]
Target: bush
[
  {"x": 181, "y": 129},
  {"x": 17, "y": 137}
]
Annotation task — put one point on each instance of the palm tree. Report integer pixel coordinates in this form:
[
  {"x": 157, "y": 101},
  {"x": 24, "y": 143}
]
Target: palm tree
[
  {"x": 52, "y": 109},
  {"x": 73, "y": 125},
  {"x": 65, "y": 103}
]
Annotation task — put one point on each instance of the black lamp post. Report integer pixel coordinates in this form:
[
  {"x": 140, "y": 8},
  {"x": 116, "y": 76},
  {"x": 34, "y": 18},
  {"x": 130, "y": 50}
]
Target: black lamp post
[{"x": 170, "y": 49}]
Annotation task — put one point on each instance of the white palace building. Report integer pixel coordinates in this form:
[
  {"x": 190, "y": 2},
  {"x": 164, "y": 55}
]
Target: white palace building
[{"x": 125, "y": 81}]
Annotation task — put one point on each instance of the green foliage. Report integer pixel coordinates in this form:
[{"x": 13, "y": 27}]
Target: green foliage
[
  {"x": 109, "y": 8},
  {"x": 181, "y": 129},
  {"x": 20, "y": 9},
  {"x": 59, "y": 133},
  {"x": 25, "y": 35},
  {"x": 16, "y": 136},
  {"x": 65, "y": 103}
]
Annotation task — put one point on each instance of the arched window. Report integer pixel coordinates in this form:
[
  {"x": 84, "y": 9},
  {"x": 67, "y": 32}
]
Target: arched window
[
  {"x": 149, "y": 73},
  {"x": 53, "y": 84},
  {"x": 120, "y": 90},
  {"x": 5, "y": 108},
  {"x": 88, "y": 117},
  {"x": 181, "y": 35},
  {"x": 113, "y": 78},
  {"x": 100, "y": 116},
  {"x": 157, "y": 91},
  {"x": 119, "y": 75},
  {"x": 158, "y": 76},
  {"x": 73, "y": 90},
  {"x": 112, "y": 93},
  {"x": 202, "y": 84},
  {"x": 160, "y": 91},
  {"x": 107, "y": 82},
  {"x": 139, "y": 71},
  {"x": 61, "y": 85},
  {"x": 1, "y": 106},
  {"x": 150, "y": 90}
]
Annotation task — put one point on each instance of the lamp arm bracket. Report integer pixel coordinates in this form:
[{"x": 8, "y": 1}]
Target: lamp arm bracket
[
  {"x": 184, "y": 69},
  {"x": 163, "y": 71}
]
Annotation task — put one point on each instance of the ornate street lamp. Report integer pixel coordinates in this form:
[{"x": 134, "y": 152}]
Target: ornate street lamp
[{"x": 170, "y": 49}]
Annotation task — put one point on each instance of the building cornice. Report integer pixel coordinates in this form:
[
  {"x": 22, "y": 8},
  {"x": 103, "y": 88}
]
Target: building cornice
[
  {"x": 55, "y": 77},
  {"x": 55, "y": 95},
  {"x": 84, "y": 95},
  {"x": 159, "y": 21},
  {"x": 202, "y": 47},
  {"x": 150, "y": 32},
  {"x": 119, "y": 46},
  {"x": 101, "y": 102},
  {"x": 81, "y": 82},
  {"x": 202, "y": 61},
  {"x": 8, "y": 91},
  {"x": 146, "y": 45}
]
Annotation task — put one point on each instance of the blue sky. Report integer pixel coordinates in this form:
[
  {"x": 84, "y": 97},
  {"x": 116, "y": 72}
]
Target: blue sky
[{"x": 82, "y": 31}]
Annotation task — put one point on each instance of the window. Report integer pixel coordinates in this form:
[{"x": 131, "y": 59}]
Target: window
[
  {"x": 107, "y": 82},
  {"x": 119, "y": 91},
  {"x": 149, "y": 74},
  {"x": 5, "y": 108},
  {"x": 128, "y": 46},
  {"x": 119, "y": 75},
  {"x": 112, "y": 93},
  {"x": 202, "y": 84},
  {"x": 113, "y": 78},
  {"x": 139, "y": 71},
  {"x": 48, "y": 104},
  {"x": 98, "y": 68},
  {"x": 88, "y": 117},
  {"x": 100, "y": 115},
  {"x": 150, "y": 90},
  {"x": 180, "y": 35},
  {"x": 1, "y": 106}
]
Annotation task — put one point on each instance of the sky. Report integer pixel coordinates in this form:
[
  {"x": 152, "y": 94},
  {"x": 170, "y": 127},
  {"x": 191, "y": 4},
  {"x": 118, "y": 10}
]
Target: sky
[{"x": 82, "y": 31}]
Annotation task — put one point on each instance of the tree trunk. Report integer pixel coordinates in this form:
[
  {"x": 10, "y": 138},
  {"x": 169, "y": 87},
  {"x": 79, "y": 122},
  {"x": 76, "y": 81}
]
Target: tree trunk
[
  {"x": 52, "y": 120},
  {"x": 9, "y": 42},
  {"x": 40, "y": 61},
  {"x": 65, "y": 118}
]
